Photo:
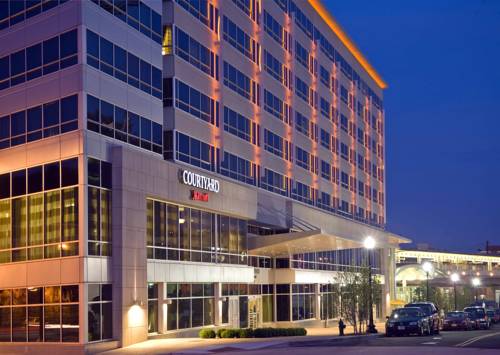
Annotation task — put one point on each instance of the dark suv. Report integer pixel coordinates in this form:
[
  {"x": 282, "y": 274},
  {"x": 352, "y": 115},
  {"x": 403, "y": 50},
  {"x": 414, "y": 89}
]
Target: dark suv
[
  {"x": 432, "y": 312},
  {"x": 406, "y": 321}
]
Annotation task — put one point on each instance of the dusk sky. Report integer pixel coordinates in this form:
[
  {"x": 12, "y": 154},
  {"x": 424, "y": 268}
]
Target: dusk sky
[{"x": 441, "y": 60}]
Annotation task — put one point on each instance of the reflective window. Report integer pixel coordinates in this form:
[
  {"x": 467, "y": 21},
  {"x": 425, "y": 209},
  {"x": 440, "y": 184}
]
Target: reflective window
[
  {"x": 100, "y": 312},
  {"x": 115, "y": 122},
  {"x": 115, "y": 61}
]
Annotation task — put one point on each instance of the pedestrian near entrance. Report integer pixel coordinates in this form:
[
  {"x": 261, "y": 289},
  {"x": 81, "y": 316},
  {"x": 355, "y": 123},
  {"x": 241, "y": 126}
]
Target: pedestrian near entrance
[{"x": 341, "y": 327}]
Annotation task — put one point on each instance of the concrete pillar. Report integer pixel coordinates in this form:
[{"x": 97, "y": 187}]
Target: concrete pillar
[
  {"x": 388, "y": 269},
  {"x": 218, "y": 303},
  {"x": 317, "y": 306},
  {"x": 129, "y": 261},
  {"x": 162, "y": 307}
]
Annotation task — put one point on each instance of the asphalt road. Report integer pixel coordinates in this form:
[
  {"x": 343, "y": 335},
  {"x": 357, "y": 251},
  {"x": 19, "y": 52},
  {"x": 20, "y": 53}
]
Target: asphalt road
[{"x": 484, "y": 342}]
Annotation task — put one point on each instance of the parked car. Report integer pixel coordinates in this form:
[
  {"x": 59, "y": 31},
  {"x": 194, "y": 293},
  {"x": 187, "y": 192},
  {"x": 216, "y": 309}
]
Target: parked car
[
  {"x": 432, "y": 312},
  {"x": 457, "y": 320},
  {"x": 493, "y": 315},
  {"x": 406, "y": 321},
  {"x": 479, "y": 316}
]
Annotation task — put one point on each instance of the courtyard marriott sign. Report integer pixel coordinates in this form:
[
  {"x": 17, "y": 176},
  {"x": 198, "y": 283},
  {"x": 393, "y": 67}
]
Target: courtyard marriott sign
[{"x": 199, "y": 181}]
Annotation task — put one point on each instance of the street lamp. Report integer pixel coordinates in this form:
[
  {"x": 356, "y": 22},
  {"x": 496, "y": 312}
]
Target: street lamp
[
  {"x": 427, "y": 267},
  {"x": 455, "y": 278},
  {"x": 476, "y": 282},
  {"x": 369, "y": 244}
]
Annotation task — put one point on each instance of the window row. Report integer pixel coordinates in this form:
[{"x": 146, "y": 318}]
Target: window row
[
  {"x": 250, "y": 7},
  {"x": 276, "y": 31},
  {"x": 238, "y": 168},
  {"x": 115, "y": 122},
  {"x": 39, "y": 226},
  {"x": 39, "y": 178},
  {"x": 12, "y": 12},
  {"x": 40, "y": 314},
  {"x": 240, "y": 40},
  {"x": 277, "y": 145},
  {"x": 116, "y": 61},
  {"x": 241, "y": 127},
  {"x": 137, "y": 15},
  {"x": 277, "y": 70},
  {"x": 196, "y": 54},
  {"x": 43, "y": 58},
  {"x": 188, "y": 234},
  {"x": 202, "y": 10},
  {"x": 52, "y": 118},
  {"x": 277, "y": 107},
  {"x": 196, "y": 103},
  {"x": 241, "y": 84}
]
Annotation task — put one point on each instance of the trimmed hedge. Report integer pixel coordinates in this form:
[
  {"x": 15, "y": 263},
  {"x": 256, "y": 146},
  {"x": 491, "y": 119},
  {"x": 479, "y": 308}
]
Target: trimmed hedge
[
  {"x": 279, "y": 332},
  {"x": 207, "y": 333},
  {"x": 253, "y": 333}
]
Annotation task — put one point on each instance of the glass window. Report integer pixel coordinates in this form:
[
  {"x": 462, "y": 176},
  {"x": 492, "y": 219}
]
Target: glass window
[
  {"x": 70, "y": 322},
  {"x": 52, "y": 222},
  {"x": 69, "y": 108},
  {"x": 120, "y": 59},
  {"x": 51, "y": 114},
  {"x": 107, "y": 113},
  {"x": 68, "y": 43},
  {"x": 106, "y": 177},
  {"x": 18, "y": 123},
  {"x": 35, "y": 179},
  {"x": 4, "y": 127},
  {"x": 52, "y": 323},
  {"x": 145, "y": 129},
  {"x": 133, "y": 66},
  {"x": 133, "y": 124},
  {"x": 34, "y": 118},
  {"x": 51, "y": 176},
  {"x": 69, "y": 172},
  {"x": 17, "y": 63},
  {"x": 19, "y": 183},
  {"x": 93, "y": 108},
  {"x": 4, "y": 186},
  {"x": 93, "y": 44},
  {"x": 34, "y": 56},
  {"x": 106, "y": 51},
  {"x": 120, "y": 119},
  {"x": 94, "y": 172},
  {"x": 50, "y": 50}
]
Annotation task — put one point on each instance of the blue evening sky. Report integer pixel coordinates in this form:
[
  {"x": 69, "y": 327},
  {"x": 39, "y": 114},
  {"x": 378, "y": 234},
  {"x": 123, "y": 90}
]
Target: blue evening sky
[{"x": 441, "y": 59}]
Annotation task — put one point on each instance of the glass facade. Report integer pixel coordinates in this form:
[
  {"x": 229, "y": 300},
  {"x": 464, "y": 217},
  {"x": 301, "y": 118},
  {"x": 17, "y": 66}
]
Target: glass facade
[
  {"x": 115, "y": 122},
  {"x": 40, "y": 314},
  {"x": 14, "y": 12},
  {"x": 99, "y": 207},
  {"x": 188, "y": 234},
  {"x": 39, "y": 212},
  {"x": 100, "y": 312},
  {"x": 190, "y": 305},
  {"x": 42, "y": 121},
  {"x": 43, "y": 58}
]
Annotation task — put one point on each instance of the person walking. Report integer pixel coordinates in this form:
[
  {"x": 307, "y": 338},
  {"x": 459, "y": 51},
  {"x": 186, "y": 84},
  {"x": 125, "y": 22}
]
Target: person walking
[{"x": 341, "y": 327}]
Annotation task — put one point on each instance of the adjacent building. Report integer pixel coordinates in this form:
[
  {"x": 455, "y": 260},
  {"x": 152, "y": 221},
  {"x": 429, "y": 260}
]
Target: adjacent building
[
  {"x": 478, "y": 275},
  {"x": 177, "y": 164}
]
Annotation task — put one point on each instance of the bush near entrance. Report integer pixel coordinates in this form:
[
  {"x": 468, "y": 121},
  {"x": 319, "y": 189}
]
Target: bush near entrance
[{"x": 252, "y": 333}]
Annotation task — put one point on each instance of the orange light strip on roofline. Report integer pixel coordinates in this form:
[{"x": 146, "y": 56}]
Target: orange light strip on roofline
[{"x": 335, "y": 27}]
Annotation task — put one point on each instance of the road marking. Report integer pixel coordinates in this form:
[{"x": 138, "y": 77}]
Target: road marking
[
  {"x": 437, "y": 338},
  {"x": 430, "y": 343},
  {"x": 473, "y": 340}
]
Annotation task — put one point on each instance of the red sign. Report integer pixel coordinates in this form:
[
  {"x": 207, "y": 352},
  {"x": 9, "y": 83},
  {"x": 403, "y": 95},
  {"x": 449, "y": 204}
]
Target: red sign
[{"x": 199, "y": 196}]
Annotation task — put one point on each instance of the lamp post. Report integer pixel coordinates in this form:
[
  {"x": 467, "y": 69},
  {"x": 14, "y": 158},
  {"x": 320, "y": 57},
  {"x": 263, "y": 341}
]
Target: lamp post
[
  {"x": 427, "y": 267},
  {"x": 369, "y": 244},
  {"x": 476, "y": 282},
  {"x": 455, "y": 278}
]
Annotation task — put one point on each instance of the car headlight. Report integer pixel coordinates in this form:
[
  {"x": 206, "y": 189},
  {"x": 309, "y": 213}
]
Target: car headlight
[{"x": 413, "y": 323}]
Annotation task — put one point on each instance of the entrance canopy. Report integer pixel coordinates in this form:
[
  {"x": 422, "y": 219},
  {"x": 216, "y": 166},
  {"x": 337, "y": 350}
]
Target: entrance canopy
[{"x": 297, "y": 242}]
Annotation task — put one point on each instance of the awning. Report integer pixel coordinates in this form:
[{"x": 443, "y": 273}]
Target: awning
[{"x": 297, "y": 242}]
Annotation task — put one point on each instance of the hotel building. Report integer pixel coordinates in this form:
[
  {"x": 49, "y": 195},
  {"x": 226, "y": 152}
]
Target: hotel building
[{"x": 177, "y": 164}]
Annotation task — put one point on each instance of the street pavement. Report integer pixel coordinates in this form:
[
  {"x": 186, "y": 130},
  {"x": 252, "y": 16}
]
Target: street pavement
[{"x": 481, "y": 342}]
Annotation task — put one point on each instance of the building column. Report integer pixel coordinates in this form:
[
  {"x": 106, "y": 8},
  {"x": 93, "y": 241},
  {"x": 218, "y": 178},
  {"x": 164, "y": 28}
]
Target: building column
[
  {"x": 389, "y": 271},
  {"x": 317, "y": 306},
  {"x": 217, "y": 303},
  {"x": 129, "y": 261},
  {"x": 162, "y": 307}
]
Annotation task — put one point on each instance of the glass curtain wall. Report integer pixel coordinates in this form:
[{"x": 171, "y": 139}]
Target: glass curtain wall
[{"x": 188, "y": 234}]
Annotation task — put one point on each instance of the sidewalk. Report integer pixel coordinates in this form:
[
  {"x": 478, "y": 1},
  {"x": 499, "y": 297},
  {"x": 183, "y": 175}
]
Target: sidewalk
[{"x": 206, "y": 346}]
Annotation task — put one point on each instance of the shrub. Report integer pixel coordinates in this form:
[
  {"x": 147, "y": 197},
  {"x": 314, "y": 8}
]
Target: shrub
[
  {"x": 279, "y": 332},
  {"x": 246, "y": 333},
  {"x": 219, "y": 332},
  {"x": 230, "y": 333},
  {"x": 207, "y": 333}
]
